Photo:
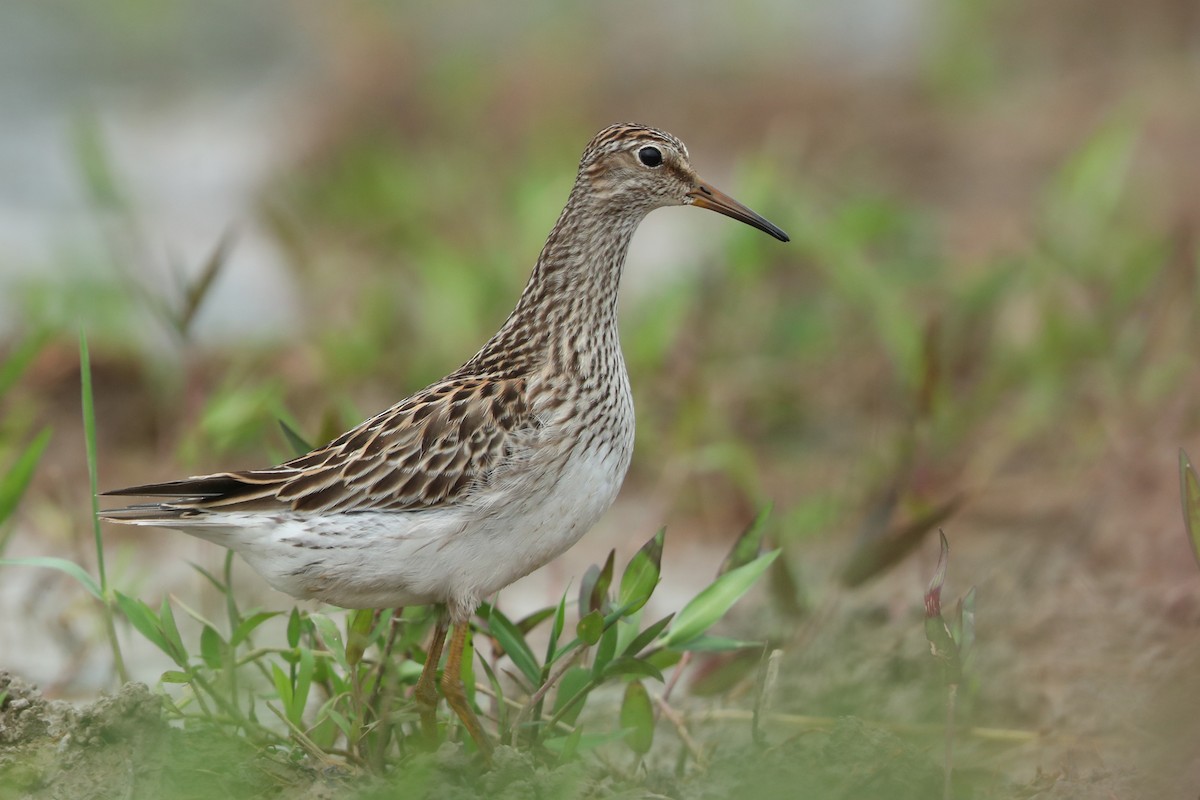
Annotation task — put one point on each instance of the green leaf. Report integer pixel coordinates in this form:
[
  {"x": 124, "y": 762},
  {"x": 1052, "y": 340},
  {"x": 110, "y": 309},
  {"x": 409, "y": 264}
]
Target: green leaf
[
  {"x": 598, "y": 596},
  {"x": 590, "y": 576},
  {"x": 498, "y": 691},
  {"x": 567, "y": 746},
  {"x": 211, "y": 578},
  {"x": 294, "y": 440},
  {"x": 62, "y": 565},
  {"x": 605, "y": 650},
  {"x": 283, "y": 687},
  {"x": 964, "y": 629},
  {"x": 342, "y": 723},
  {"x": 170, "y": 630},
  {"x": 637, "y": 718},
  {"x": 14, "y": 482},
  {"x": 647, "y": 636},
  {"x": 531, "y": 621},
  {"x": 301, "y": 688},
  {"x": 358, "y": 630},
  {"x": 294, "y": 628},
  {"x": 626, "y": 665},
  {"x": 663, "y": 658},
  {"x": 332, "y": 638},
  {"x": 1189, "y": 494},
  {"x": 247, "y": 626},
  {"x": 641, "y": 574},
  {"x": 556, "y": 629},
  {"x": 144, "y": 620},
  {"x": 584, "y": 743},
  {"x": 572, "y": 689},
  {"x": 713, "y": 602},
  {"x": 591, "y": 627},
  {"x": 87, "y": 401},
  {"x": 211, "y": 647},
  {"x": 510, "y": 638},
  {"x": 467, "y": 667},
  {"x": 749, "y": 545},
  {"x": 716, "y": 644}
]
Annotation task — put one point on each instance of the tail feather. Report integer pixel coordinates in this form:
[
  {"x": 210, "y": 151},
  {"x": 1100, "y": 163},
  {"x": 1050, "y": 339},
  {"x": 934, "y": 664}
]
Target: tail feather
[
  {"x": 243, "y": 491},
  {"x": 149, "y": 513},
  {"x": 203, "y": 486}
]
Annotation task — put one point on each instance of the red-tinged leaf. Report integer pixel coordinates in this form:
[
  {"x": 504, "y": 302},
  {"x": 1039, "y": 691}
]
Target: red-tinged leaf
[
  {"x": 598, "y": 600},
  {"x": 933, "y": 595}
]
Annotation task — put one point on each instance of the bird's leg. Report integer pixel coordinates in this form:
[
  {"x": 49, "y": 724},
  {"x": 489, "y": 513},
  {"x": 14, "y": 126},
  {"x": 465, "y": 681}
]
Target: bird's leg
[
  {"x": 452, "y": 688},
  {"x": 426, "y": 691}
]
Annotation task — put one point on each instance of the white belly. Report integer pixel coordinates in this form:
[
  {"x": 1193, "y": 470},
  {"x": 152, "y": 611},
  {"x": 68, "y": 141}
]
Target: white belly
[{"x": 458, "y": 555}]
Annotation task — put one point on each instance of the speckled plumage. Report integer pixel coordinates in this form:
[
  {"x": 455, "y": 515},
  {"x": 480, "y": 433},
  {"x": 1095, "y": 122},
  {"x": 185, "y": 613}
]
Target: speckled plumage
[{"x": 491, "y": 472}]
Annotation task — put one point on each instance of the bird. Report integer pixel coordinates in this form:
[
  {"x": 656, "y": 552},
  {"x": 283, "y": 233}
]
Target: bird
[{"x": 483, "y": 476}]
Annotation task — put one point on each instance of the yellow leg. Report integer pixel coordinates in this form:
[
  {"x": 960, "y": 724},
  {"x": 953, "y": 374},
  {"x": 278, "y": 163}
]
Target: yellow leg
[
  {"x": 426, "y": 691},
  {"x": 452, "y": 688}
]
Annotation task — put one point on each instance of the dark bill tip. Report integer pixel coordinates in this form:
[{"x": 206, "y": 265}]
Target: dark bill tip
[{"x": 705, "y": 196}]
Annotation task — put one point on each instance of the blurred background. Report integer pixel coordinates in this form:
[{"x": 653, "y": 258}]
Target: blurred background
[{"x": 986, "y": 320}]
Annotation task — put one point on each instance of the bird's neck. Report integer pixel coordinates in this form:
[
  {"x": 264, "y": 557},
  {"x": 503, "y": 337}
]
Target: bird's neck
[{"x": 569, "y": 305}]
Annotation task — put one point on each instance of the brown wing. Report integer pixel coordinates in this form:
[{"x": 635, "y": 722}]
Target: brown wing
[{"x": 425, "y": 452}]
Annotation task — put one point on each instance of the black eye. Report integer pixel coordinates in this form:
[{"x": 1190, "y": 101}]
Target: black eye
[{"x": 650, "y": 156}]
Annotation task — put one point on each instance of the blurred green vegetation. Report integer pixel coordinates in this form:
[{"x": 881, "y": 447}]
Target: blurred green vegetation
[{"x": 911, "y": 345}]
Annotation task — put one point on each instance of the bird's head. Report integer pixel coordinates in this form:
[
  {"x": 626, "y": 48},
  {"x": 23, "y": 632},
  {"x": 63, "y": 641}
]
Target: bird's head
[{"x": 636, "y": 166}]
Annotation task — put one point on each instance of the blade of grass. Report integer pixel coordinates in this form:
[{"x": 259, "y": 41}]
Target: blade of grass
[
  {"x": 1189, "y": 495},
  {"x": 89, "y": 438}
]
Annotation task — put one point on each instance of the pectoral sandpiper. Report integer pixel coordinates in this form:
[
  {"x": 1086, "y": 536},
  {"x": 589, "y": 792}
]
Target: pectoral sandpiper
[{"x": 479, "y": 479}]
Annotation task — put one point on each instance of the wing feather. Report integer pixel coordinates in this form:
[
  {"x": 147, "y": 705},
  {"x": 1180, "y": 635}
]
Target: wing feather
[{"x": 431, "y": 450}]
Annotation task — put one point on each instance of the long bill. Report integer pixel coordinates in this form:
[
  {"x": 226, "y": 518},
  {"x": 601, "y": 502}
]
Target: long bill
[{"x": 706, "y": 196}]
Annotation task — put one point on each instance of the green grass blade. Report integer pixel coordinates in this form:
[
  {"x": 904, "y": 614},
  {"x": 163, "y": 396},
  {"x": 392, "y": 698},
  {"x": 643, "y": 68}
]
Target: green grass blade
[
  {"x": 14, "y": 483},
  {"x": 62, "y": 565},
  {"x": 295, "y": 441},
  {"x": 89, "y": 438}
]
